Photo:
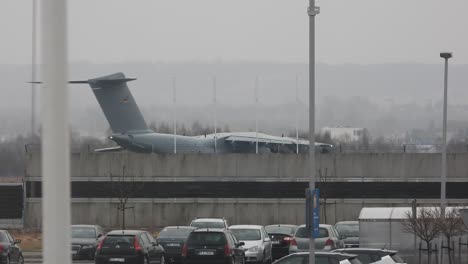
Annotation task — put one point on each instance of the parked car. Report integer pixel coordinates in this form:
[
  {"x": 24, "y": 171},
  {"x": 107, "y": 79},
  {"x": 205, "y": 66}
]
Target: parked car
[
  {"x": 10, "y": 252},
  {"x": 371, "y": 255},
  {"x": 320, "y": 258},
  {"x": 349, "y": 230},
  {"x": 172, "y": 239},
  {"x": 209, "y": 222},
  {"x": 281, "y": 236},
  {"x": 209, "y": 246},
  {"x": 84, "y": 240},
  {"x": 257, "y": 243},
  {"x": 328, "y": 239},
  {"x": 129, "y": 246}
]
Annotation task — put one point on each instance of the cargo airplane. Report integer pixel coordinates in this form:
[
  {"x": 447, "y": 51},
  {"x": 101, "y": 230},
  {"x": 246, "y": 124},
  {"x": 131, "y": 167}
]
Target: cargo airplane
[{"x": 130, "y": 131}]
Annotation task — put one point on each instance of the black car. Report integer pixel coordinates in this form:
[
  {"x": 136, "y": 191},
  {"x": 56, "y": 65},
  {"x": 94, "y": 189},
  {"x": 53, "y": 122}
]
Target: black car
[
  {"x": 281, "y": 236},
  {"x": 84, "y": 240},
  {"x": 129, "y": 246},
  {"x": 320, "y": 258},
  {"x": 10, "y": 252},
  {"x": 370, "y": 255},
  {"x": 212, "y": 246},
  {"x": 172, "y": 238}
]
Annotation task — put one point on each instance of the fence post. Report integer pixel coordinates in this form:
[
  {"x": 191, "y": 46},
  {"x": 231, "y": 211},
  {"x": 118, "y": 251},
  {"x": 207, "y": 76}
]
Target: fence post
[{"x": 436, "y": 253}]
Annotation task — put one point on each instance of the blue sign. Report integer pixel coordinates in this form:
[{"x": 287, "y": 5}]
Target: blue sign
[{"x": 313, "y": 212}]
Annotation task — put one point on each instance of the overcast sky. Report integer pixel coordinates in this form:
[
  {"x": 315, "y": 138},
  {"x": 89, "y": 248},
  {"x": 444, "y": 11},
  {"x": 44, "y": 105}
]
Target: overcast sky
[{"x": 348, "y": 31}]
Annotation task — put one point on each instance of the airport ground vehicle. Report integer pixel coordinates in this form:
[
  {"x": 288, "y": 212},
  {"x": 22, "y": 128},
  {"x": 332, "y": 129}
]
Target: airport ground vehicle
[
  {"x": 371, "y": 255},
  {"x": 84, "y": 240},
  {"x": 210, "y": 246},
  {"x": 10, "y": 252},
  {"x": 209, "y": 222},
  {"x": 172, "y": 239},
  {"x": 257, "y": 243},
  {"x": 320, "y": 258},
  {"x": 328, "y": 239},
  {"x": 349, "y": 230},
  {"x": 129, "y": 246},
  {"x": 281, "y": 236}
]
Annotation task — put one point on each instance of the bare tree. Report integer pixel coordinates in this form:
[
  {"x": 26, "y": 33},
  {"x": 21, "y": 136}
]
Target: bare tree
[
  {"x": 124, "y": 188},
  {"x": 450, "y": 225},
  {"x": 423, "y": 225}
]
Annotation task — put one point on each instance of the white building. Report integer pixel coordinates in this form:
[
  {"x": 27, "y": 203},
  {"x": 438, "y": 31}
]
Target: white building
[{"x": 344, "y": 134}]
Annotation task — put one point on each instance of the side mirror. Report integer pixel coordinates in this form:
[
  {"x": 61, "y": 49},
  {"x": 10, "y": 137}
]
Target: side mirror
[
  {"x": 155, "y": 244},
  {"x": 267, "y": 239},
  {"x": 99, "y": 236},
  {"x": 17, "y": 241},
  {"x": 240, "y": 244}
]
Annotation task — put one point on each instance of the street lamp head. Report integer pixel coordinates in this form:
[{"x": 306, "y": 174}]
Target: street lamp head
[{"x": 446, "y": 55}]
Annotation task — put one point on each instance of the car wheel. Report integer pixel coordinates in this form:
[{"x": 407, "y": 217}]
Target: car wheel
[{"x": 21, "y": 259}]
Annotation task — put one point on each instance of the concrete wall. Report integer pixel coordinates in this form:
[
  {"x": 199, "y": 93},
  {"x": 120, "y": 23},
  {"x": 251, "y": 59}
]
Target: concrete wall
[
  {"x": 350, "y": 166},
  {"x": 157, "y": 213}
]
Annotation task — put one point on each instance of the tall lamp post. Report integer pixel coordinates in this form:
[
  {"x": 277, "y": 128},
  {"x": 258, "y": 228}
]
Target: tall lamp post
[
  {"x": 312, "y": 12},
  {"x": 443, "y": 203}
]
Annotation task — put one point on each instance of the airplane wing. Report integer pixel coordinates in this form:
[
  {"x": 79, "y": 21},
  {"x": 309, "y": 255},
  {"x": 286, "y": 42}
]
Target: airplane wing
[
  {"x": 111, "y": 149},
  {"x": 274, "y": 143}
]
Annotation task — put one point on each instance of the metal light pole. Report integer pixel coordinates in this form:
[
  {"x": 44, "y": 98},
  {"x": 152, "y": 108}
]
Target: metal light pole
[
  {"x": 297, "y": 115},
  {"x": 215, "y": 115},
  {"x": 174, "y": 102},
  {"x": 55, "y": 134},
  {"x": 256, "y": 115},
  {"x": 443, "y": 203},
  {"x": 312, "y": 12},
  {"x": 33, "y": 67}
]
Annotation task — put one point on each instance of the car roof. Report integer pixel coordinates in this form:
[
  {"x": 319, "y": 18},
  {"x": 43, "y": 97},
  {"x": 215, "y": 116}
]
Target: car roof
[
  {"x": 347, "y": 222},
  {"x": 202, "y": 230},
  {"x": 366, "y": 250},
  {"x": 179, "y": 227},
  {"x": 280, "y": 225},
  {"x": 321, "y": 225},
  {"x": 326, "y": 253},
  {"x": 209, "y": 219},
  {"x": 89, "y": 226},
  {"x": 245, "y": 227},
  {"x": 125, "y": 232}
]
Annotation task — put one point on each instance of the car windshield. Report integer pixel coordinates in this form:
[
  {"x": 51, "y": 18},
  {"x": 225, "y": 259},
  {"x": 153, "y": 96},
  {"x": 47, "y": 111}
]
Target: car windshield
[
  {"x": 83, "y": 232},
  {"x": 302, "y": 232},
  {"x": 206, "y": 238},
  {"x": 285, "y": 230},
  {"x": 396, "y": 258},
  {"x": 175, "y": 233},
  {"x": 3, "y": 237},
  {"x": 201, "y": 224},
  {"x": 348, "y": 230},
  {"x": 247, "y": 234},
  {"x": 120, "y": 240}
]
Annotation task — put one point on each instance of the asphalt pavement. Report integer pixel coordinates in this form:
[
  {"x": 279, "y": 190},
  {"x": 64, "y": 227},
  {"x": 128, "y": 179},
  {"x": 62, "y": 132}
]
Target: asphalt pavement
[{"x": 36, "y": 257}]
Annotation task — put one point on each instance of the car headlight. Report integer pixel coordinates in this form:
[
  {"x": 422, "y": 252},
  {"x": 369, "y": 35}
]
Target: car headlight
[
  {"x": 87, "y": 246},
  {"x": 253, "y": 249}
]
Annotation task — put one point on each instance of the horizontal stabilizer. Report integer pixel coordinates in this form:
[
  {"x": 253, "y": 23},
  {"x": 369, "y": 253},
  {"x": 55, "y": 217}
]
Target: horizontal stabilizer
[
  {"x": 112, "y": 149},
  {"x": 102, "y": 82}
]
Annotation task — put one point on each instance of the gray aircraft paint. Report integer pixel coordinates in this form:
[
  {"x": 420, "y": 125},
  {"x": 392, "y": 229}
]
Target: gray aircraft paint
[{"x": 131, "y": 132}]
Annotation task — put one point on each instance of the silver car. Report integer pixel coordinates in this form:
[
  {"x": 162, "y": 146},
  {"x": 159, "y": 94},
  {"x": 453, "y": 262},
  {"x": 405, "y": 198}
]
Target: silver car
[
  {"x": 258, "y": 246},
  {"x": 329, "y": 239}
]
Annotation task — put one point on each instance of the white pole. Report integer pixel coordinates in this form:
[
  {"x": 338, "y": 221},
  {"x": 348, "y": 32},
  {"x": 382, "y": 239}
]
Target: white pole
[
  {"x": 33, "y": 67},
  {"x": 174, "y": 102},
  {"x": 256, "y": 115},
  {"x": 297, "y": 115},
  {"x": 443, "y": 203},
  {"x": 312, "y": 12},
  {"x": 55, "y": 134},
  {"x": 215, "y": 115}
]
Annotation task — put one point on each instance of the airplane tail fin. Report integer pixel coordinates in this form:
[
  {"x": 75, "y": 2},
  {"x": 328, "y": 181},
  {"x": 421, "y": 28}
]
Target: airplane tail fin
[{"x": 117, "y": 103}]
